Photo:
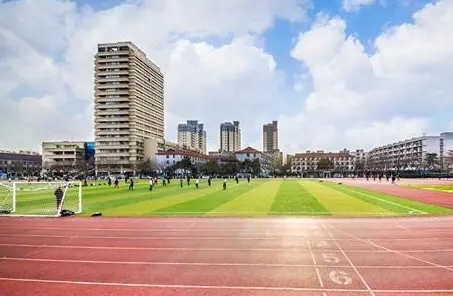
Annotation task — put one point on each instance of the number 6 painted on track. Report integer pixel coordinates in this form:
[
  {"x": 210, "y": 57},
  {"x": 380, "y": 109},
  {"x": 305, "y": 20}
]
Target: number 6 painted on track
[
  {"x": 340, "y": 277},
  {"x": 330, "y": 258}
]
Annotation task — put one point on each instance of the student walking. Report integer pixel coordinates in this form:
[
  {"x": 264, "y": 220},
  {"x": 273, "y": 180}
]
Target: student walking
[{"x": 196, "y": 183}]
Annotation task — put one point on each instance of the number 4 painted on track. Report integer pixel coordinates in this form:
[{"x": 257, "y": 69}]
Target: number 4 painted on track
[{"x": 340, "y": 277}]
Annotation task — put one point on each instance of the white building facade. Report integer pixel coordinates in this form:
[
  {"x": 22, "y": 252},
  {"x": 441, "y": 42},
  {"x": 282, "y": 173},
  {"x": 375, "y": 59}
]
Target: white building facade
[
  {"x": 343, "y": 161},
  {"x": 411, "y": 154},
  {"x": 171, "y": 157}
]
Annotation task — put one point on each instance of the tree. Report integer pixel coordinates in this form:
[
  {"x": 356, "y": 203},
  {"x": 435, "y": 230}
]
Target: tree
[
  {"x": 212, "y": 167},
  {"x": 146, "y": 167},
  {"x": 325, "y": 164},
  {"x": 359, "y": 166},
  {"x": 448, "y": 161},
  {"x": 255, "y": 166},
  {"x": 431, "y": 160}
]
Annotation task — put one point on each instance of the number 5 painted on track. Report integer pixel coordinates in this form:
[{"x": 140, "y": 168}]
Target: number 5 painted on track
[
  {"x": 322, "y": 244},
  {"x": 340, "y": 277},
  {"x": 330, "y": 258}
]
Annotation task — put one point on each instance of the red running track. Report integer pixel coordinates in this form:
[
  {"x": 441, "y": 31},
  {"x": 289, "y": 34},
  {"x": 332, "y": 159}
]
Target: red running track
[
  {"x": 226, "y": 256},
  {"x": 443, "y": 199}
]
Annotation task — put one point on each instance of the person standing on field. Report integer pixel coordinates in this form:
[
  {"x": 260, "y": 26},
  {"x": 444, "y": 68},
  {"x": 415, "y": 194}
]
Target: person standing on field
[
  {"x": 131, "y": 184},
  {"x": 58, "y": 196},
  {"x": 151, "y": 184},
  {"x": 224, "y": 184}
]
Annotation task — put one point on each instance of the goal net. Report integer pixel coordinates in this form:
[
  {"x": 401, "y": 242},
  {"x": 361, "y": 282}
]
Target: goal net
[{"x": 40, "y": 198}]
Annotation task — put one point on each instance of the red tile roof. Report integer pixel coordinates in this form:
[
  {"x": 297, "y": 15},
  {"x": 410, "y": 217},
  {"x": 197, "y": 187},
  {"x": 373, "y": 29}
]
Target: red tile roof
[{"x": 248, "y": 150}]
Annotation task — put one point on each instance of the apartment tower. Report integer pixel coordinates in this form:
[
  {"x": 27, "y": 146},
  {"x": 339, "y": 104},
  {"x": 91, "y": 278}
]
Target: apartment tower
[
  {"x": 192, "y": 135},
  {"x": 270, "y": 137},
  {"x": 230, "y": 137},
  {"x": 129, "y": 106}
]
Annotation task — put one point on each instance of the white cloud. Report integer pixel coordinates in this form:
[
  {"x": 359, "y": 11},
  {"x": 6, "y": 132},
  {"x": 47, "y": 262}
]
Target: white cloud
[
  {"x": 354, "y": 5},
  {"x": 361, "y": 100},
  {"x": 450, "y": 125},
  {"x": 46, "y": 62}
]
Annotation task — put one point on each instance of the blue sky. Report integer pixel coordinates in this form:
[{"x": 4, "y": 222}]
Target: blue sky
[{"x": 328, "y": 91}]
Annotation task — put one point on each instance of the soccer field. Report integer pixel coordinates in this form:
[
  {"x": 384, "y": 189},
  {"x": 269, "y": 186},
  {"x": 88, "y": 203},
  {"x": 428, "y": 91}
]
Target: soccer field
[{"x": 261, "y": 198}]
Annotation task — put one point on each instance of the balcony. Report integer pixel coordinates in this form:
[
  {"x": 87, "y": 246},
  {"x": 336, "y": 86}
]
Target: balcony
[{"x": 119, "y": 86}]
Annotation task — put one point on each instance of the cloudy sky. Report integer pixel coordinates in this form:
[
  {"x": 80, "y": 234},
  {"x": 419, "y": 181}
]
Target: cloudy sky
[{"x": 335, "y": 74}]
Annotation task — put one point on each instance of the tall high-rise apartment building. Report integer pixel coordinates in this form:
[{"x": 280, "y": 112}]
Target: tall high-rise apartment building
[
  {"x": 270, "y": 137},
  {"x": 192, "y": 135},
  {"x": 230, "y": 136},
  {"x": 129, "y": 105}
]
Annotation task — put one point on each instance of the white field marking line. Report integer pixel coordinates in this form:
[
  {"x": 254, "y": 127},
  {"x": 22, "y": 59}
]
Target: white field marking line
[
  {"x": 188, "y": 237},
  {"x": 315, "y": 265},
  {"x": 240, "y": 214},
  {"x": 349, "y": 261},
  {"x": 292, "y": 249},
  {"x": 402, "y": 227},
  {"x": 387, "y": 201},
  {"x": 209, "y": 264},
  {"x": 204, "y": 287},
  {"x": 194, "y": 287},
  {"x": 201, "y": 229},
  {"x": 398, "y": 252}
]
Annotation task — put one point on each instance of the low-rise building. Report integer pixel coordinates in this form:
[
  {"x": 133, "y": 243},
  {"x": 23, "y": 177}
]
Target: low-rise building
[
  {"x": 266, "y": 160},
  {"x": 64, "y": 155},
  {"x": 308, "y": 161},
  {"x": 171, "y": 157},
  {"x": 20, "y": 163}
]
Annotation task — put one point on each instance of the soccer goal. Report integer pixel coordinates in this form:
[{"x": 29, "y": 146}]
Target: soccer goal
[{"x": 40, "y": 198}]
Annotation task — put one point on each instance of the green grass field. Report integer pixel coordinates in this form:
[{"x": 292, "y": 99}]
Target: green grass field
[{"x": 261, "y": 197}]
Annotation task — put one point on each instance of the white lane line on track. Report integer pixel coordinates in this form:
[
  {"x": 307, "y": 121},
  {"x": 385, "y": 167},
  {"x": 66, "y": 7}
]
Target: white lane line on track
[
  {"x": 397, "y": 252},
  {"x": 205, "y": 287},
  {"x": 218, "y": 249},
  {"x": 215, "y": 264},
  {"x": 279, "y": 238}
]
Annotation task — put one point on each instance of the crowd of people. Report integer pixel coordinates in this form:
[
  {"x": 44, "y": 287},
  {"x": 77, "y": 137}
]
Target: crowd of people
[{"x": 153, "y": 181}]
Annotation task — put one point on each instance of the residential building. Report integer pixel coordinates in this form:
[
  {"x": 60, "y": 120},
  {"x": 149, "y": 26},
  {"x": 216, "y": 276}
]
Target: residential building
[
  {"x": 230, "y": 136},
  {"x": 343, "y": 161},
  {"x": 15, "y": 163},
  {"x": 251, "y": 154},
  {"x": 129, "y": 106},
  {"x": 64, "y": 155},
  {"x": 192, "y": 136},
  {"x": 270, "y": 137},
  {"x": 411, "y": 154},
  {"x": 360, "y": 159}
]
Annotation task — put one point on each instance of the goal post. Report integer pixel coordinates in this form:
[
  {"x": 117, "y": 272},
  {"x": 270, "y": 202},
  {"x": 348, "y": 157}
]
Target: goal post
[{"x": 22, "y": 198}]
